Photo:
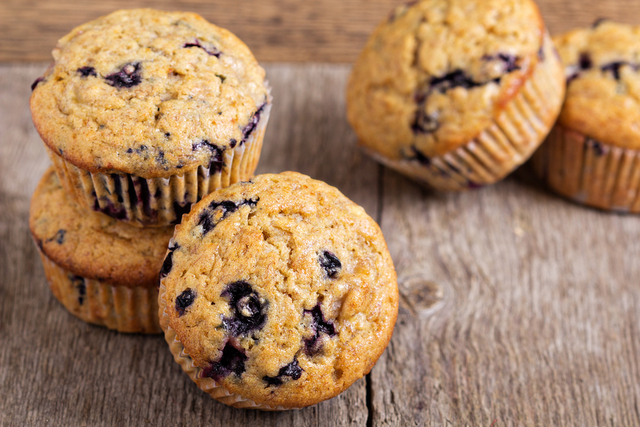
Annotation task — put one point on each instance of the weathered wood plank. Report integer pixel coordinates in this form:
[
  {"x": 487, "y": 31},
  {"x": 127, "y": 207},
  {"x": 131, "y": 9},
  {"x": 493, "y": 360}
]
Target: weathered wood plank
[
  {"x": 57, "y": 370},
  {"x": 276, "y": 30},
  {"x": 538, "y": 324}
]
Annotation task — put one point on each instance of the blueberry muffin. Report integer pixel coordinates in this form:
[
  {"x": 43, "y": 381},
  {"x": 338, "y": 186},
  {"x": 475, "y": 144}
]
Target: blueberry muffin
[
  {"x": 144, "y": 112},
  {"x": 277, "y": 293},
  {"x": 102, "y": 270},
  {"x": 456, "y": 94},
  {"x": 593, "y": 153}
]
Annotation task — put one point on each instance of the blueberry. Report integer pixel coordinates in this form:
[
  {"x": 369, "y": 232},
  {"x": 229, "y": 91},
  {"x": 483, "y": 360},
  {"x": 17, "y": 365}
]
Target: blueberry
[
  {"x": 330, "y": 263},
  {"x": 231, "y": 362},
  {"x": 251, "y": 126},
  {"x": 35, "y": 83},
  {"x": 292, "y": 370},
  {"x": 420, "y": 157},
  {"x": 320, "y": 326},
  {"x": 208, "y": 219},
  {"x": 585, "y": 62},
  {"x": 614, "y": 67},
  {"x": 473, "y": 185},
  {"x": 184, "y": 300},
  {"x": 423, "y": 122},
  {"x": 87, "y": 71},
  {"x": 249, "y": 312},
  {"x": 59, "y": 237},
  {"x": 110, "y": 210},
  {"x": 541, "y": 54},
  {"x": 80, "y": 284},
  {"x": 596, "y": 146},
  {"x": 454, "y": 79},
  {"x": 180, "y": 209},
  {"x": 599, "y": 21},
  {"x": 508, "y": 60},
  {"x": 128, "y": 76},
  {"x": 216, "y": 162},
  {"x": 232, "y": 143},
  {"x": 168, "y": 261},
  {"x": 213, "y": 52}
]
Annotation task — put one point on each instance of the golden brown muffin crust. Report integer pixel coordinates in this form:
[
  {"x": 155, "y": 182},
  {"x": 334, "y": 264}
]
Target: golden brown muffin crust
[
  {"x": 281, "y": 289},
  {"x": 437, "y": 73},
  {"x": 602, "y": 66},
  {"x": 93, "y": 245},
  {"x": 148, "y": 93}
]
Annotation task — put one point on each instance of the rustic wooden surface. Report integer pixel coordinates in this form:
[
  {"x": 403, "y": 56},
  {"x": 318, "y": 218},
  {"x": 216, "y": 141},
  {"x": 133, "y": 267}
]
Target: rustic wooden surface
[
  {"x": 517, "y": 307},
  {"x": 276, "y": 30}
]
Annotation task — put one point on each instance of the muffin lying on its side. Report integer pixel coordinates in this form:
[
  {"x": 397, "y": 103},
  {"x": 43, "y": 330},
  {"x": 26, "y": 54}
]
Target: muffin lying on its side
[
  {"x": 456, "y": 94},
  {"x": 593, "y": 154},
  {"x": 103, "y": 271},
  {"x": 144, "y": 112},
  {"x": 277, "y": 293}
]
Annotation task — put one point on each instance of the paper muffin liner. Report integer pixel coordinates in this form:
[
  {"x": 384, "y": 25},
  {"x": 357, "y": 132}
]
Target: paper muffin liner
[
  {"x": 208, "y": 385},
  {"x": 588, "y": 171},
  {"x": 123, "y": 308},
  {"x": 508, "y": 142},
  {"x": 160, "y": 201}
]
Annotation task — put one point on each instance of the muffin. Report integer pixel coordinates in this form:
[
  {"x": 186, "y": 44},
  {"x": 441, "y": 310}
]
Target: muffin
[
  {"x": 277, "y": 293},
  {"x": 592, "y": 155},
  {"x": 456, "y": 94},
  {"x": 144, "y": 112},
  {"x": 102, "y": 270}
]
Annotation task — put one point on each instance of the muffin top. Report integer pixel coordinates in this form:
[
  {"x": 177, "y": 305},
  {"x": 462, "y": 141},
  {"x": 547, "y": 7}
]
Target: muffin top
[
  {"x": 602, "y": 65},
  {"x": 281, "y": 289},
  {"x": 436, "y": 73},
  {"x": 92, "y": 245},
  {"x": 148, "y": 92}
]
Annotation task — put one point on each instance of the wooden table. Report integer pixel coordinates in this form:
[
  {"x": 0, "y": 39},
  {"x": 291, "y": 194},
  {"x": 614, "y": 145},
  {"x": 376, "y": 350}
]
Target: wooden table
[{"x": 517, "y": 307}]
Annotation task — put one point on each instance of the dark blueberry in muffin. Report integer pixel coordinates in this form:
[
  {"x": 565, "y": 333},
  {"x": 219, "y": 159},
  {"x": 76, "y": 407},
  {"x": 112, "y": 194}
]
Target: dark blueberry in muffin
[
  {"x": 599, "y": 21},
  {"x": 423, "y": 122},
  {"x": 231, "y": 362},
  {"x": 249, "y": 311},
  {"x": 35, "y": 83},
  {"x": 251, "y": 126},
  {"x": 541, "y": 56},
  {"x": 128, "y": 76},
  {"x": 292, "y": 370},
  {"x": 184, "y": 300},
  {"x": 168, "y": 261},
  {"x": 330, "y": 263},
  {"x": 109, "y": 209},
  {"x": 80, "y": 284},
  {"x": 212, "y": 51},
  {"x": 597, "y": 148},
  {"x": 509, "y": 61},
  {"x": 209, "y": 219},
  {"x": 614, "y": 68},
  {"x": 87, "y": 71},
  {"x": 421, "y": 158},
  {"x": 181, "y": 209},
  {"x": 585, "y": 62},
  {"x": 457, "y": 78},
  {"x": 216, "y": 162},
  {"x": 59, "y": 236},
  {"x": 320, "y": 326}
]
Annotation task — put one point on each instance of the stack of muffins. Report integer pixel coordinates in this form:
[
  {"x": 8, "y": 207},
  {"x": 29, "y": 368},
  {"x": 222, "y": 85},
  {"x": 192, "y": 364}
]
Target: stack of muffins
[
  {"x": 274, "y": 293},
  {"x": 142, "y": 113}
]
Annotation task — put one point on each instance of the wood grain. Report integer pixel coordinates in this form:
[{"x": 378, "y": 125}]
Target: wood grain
[
  {"x": 517, "y": 307},
  {"x": 538, "y": 324},
  {"x": 276, "y": 30},
  {"x": 57, "y": 370}
]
